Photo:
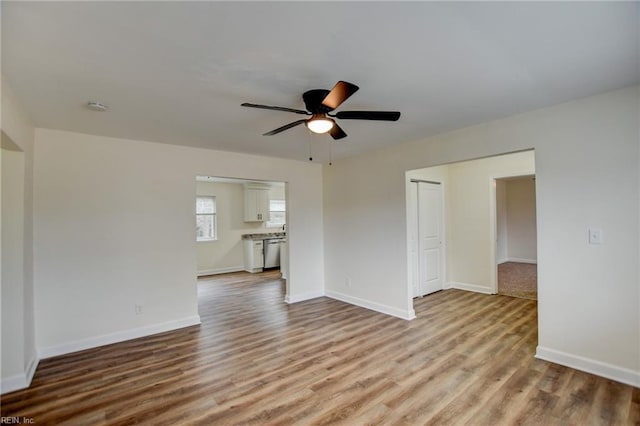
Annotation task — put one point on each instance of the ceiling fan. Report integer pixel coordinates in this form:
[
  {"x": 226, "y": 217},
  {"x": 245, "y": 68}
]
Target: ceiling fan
[{"x": 320, "y": 103}]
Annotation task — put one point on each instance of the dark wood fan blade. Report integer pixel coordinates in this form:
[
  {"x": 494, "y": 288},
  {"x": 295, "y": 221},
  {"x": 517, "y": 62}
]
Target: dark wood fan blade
[
  {"x": 340, "y": 92},
  {"x": 276, "y": 108},
  {"x": 283, "y": 128},
  {"x": 336, "y": 132},
  {"x": 369, "y": 115}
]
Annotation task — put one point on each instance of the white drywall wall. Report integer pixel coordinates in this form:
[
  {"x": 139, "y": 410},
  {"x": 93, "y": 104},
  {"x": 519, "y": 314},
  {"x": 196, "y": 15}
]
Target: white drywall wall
[
  {"x": 586, "y": 176},
  {"x": 13, "y": 356},
  {"x": 114, "y": 227},
  {"x": 19, "y": 358},
  {"x": 521, "y": 220}
]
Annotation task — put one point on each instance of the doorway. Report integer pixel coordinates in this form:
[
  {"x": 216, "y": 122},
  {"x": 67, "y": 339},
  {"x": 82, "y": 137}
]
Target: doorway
[
  {"x": 516, "y": 242},
  {"x": 468, "y": 250},
  {"x": 241, "y": 226}
]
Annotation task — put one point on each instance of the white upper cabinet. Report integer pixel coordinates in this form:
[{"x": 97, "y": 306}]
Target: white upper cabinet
[{"x": 256, "y": 203}]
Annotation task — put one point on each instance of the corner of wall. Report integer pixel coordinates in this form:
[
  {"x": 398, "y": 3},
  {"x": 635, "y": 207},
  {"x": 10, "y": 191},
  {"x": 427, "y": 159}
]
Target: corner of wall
[
  {"x": 603, "y": 369},
  {"x": 20, "y": 381},
  {"x": 17, "y": 126},
  {"x": 469, "y": 287},
  {"x": 378, "y": 307}
]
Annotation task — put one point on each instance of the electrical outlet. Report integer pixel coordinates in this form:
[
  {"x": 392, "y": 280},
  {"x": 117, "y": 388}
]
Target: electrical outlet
[
  {"x": 348, "y": 282},
  {"x": 138, "y": 309}
]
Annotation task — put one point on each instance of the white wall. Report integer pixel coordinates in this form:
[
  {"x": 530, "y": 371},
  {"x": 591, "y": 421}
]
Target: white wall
[
  {"x": 585, "y": 150},
  {"x": 521, "y": 220},
  {"x": 114, "y": 227},
  {"x": 12, "y": 262},
  {"x": 18, "y": 351}
]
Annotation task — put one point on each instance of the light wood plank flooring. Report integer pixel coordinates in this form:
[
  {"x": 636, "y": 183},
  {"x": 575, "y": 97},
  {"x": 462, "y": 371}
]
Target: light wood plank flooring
[{"x": 466, "y": 359}]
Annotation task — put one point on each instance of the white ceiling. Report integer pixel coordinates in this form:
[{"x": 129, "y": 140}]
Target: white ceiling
[{"x": 177, "y": 72}]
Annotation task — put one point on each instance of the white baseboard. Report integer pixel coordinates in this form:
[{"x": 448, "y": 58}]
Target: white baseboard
[
  {"x": 302, "y": 297},
  {"x": 469, "y": 287},
  {"x": 218, "y": 271},
  {"x": 31, "y": 369},
  {"x": 619, "y": 374},
  {"x": 20, "y": 381},
  {"x": 520, "y": 260},
  {"x": 374, "y": 306},
  {"x": 120, "y": 336},
  {"x": 14, "y": 383}
]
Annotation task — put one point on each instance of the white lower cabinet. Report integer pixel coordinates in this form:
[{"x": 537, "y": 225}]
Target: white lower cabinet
[{"x": 253, "y": 255}]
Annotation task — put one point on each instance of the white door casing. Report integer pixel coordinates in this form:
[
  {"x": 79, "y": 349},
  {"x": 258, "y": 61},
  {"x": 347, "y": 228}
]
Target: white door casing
[{"x": 414, "y": 268}]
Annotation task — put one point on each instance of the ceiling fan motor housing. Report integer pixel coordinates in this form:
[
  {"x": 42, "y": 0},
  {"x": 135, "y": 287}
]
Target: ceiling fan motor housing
[{"x": 313, "y": 101}]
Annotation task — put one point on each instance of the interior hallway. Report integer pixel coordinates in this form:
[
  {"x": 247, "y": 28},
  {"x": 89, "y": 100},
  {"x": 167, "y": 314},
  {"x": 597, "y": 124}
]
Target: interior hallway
[{"x": 518, "y": 280}]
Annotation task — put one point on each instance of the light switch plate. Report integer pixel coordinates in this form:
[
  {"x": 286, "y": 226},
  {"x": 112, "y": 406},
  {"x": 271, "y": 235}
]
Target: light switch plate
[{"x": 595, "y": 236}]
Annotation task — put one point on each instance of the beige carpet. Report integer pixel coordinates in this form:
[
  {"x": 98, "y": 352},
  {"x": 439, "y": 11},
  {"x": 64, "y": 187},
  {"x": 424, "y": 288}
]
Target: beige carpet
[{"x": 518, "y": 280}]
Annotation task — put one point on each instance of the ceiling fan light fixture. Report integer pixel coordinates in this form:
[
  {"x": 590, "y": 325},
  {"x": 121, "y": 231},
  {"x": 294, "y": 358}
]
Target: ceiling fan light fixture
[{"x": 319, "y": 123}]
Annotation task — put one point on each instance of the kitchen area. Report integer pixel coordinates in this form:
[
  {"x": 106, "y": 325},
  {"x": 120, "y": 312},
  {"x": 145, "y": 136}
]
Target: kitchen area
[
  {"x": 243, "y": 227},
  {"x": 265, "y": 252}
]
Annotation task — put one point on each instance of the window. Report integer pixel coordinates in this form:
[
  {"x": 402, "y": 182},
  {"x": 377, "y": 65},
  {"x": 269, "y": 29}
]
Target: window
[
  {"x": 206, "y": 218},
  {"x": 277, "y": 213}
]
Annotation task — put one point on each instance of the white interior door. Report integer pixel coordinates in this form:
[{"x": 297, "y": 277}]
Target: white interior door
[{"x": 430, "y": 237}]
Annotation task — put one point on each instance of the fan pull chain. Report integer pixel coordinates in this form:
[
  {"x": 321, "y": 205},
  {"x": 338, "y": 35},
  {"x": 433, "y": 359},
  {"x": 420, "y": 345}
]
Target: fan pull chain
[
  {"x": 310, "y": 153},
  {"x": 331, "y": 152}
]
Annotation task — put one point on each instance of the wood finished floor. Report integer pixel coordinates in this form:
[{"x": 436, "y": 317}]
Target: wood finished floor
[{"x": 466, "y": 359}]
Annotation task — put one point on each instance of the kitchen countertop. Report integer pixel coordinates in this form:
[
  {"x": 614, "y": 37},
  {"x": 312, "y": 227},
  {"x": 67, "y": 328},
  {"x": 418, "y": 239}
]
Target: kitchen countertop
[{"x": 264, "y": 236}]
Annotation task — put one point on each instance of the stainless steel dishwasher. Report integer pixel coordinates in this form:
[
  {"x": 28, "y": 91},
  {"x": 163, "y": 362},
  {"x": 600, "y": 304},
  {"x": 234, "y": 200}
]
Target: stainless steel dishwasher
[{"x": 272, "y": 252}]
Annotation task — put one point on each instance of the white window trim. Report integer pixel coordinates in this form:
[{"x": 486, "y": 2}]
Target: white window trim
[
  {"x": 276, "y": 224},
  {"x": 215, "y": 220}
]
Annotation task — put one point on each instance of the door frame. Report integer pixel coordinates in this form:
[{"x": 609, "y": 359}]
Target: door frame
[
  {"x": 287, "y": 194},
  {"x": 410, "y": 228},
  {"x": 493, "y": 223}
]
